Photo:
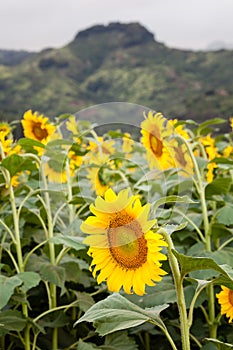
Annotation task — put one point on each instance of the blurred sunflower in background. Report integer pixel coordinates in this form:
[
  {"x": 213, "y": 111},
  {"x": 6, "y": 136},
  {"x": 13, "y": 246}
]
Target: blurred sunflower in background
[
  {"x": 101, "y": 146},
  {"x": 225, "y": 299},
  {"x": 125, "y": 252},
  {"x": 154, "y": 132},
  {"x": 211, "y": 152},
  {"x": 99, "y": 180},
  {"x": 5, "y": 128},
  {"x": 37, "y": 127}
]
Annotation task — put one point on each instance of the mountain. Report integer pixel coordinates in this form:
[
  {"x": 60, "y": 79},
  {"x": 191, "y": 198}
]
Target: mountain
[
  {"x": 12, "y": 57},
  {"x": 119, "y": 62}
]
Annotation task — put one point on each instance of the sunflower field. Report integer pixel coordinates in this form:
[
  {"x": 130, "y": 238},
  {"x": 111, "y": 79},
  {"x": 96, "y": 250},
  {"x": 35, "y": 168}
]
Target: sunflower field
[{"x": 116, "y": 236}]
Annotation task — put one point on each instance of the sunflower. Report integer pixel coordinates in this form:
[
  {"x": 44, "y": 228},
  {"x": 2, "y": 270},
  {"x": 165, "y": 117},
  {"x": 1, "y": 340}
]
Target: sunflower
[
  {"x": 37, "y": 127},
  {"x": 101, "y": 146},
  {"x": 127, "y": 145},
  {"x": 231, "y": 122},
  {"x": 5, "y": 143},
  {"x": 225, "y": 299},
  {"x": 211, "y": 152},
  {"x": 97, "y": 176},
  {"x": 5, "y": 128},
  {"x": 178, "y": 129},
  {"x": 75, "y": 162},
  {"x": 154, "y": 131},
  {"x": 124, "y": 251},
  {"x": 228, "y": 151},
  {"x": 182, "y": 159},
  {"x": 55, "y": 172}
]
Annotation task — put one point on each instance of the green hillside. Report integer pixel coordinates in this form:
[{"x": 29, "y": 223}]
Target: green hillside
[{"x": 119, "y": 62}]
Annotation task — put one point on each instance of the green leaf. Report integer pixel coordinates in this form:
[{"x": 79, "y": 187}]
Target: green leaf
[
  {"x": 69, "y": 241},
  {"x": 189, "y": 264},
  {"x": 86, "y": 346},
  {"x": 225, "y": 215},
  {"x": 170, "y": 228},
  {"x": 28, "y": 144},
  {"x": 72, "y": 270},
  {"x": 53, "y": 274},
  {"x": 208, "y": 123},
  {"x": 30, "y": 279},
  {"x": 222, "y": 160},
  {"x": 164, "y": 292},
  {"x": 85, "y": 300},
  {"x": 171, "y": 199},
  {"x": 7, "y": 287},
  {"x": 117, "y": 313},
  {"x": 16, "y": 163},
  {"x": 11, "y": 320},
  {"x": 59, "y": 142},
  {"x": 55, "y": 320},
  {"x": 219, "y": 344},
  {"x": 218, "y": 186},
  {"x": 119, "y": 340}
]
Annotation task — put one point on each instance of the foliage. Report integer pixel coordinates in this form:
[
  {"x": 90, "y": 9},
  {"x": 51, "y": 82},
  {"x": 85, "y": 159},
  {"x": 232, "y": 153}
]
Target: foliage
[{"x": 49, "y": 297}]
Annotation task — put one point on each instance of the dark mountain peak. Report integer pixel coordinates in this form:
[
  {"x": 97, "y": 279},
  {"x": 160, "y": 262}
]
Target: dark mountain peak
[{"x": 125, "y": 34}]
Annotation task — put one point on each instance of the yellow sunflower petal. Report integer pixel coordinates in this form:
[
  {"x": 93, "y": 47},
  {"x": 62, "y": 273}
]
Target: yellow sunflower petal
[{"x": 130, "y": 257}]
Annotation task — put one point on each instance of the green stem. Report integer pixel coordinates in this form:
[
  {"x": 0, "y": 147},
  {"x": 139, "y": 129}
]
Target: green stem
[
  {"x": 70, "y": 194},
  {"x": 210, "y": 289},
  {"x": 180, "y": 294},
  {"x": 18, "y": 248},
  {"x": 52, "y": 287}
]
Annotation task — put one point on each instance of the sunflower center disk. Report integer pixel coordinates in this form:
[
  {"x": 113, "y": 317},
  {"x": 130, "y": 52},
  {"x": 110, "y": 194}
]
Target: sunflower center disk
[
  {"x": 156, "y": 145},
  {"x": 231, "y": 297},
  {"x": 128, "y": 246},
  {"x": 39, "y": 133}
]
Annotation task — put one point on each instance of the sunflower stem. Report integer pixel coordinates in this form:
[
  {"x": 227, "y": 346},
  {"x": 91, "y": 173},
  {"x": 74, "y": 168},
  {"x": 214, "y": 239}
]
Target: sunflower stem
[
  {"x": 20, "y": 264},
  {"x": 184, "y": 327},
  {"x": 207, "y": 229},
  {"x": 52, "y": 287}
]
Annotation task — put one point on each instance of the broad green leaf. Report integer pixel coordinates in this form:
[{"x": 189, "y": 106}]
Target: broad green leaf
[
  {"x": 218, "y": 186},
  {"x": 11, "y": 320},
  {"x": 69, "y": 241},
  {"x": 189, "y": 264},
  {"x": 225, "y": 215},
  {"x": 117, "y": 313},
  {"x": 28, "y": 144},
  {"x": 222, "y": 160},
  {"x": 171, "y": 199},
  {"x": 170, "y": 228},
  {"x": 72, "y": 270},
  {"x": 209, "y": 123},
  {"x": 16, "y": 163},
  {"x": 86, "y": 346},
  {"x": 53, "y": 274},
  {"x": 219, "y": 344},
  {"x": 7, "y": 287},
  {"x": 119, "y": 340},
  {"x": 81, "y": 200},
  {"x": 59, "y": 142},
  {"x": 55, "y": 320},
  {"x": 30, "y": 279},
  {"x": 85, "y": 300},
  {"x": 163, "y": 293}
]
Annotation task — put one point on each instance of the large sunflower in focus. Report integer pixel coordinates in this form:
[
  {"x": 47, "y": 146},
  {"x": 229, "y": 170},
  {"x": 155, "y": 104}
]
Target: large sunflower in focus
[
  {"x": 37, "y": 127},
  {"x": 225, "y": 299},
  {"x": 154, "y": 131},
  {"x": 125, "y": 252}
]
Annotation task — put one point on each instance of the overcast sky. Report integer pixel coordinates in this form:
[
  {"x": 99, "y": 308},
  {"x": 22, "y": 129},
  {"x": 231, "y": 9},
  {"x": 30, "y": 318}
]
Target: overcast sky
[{"x": 37, "y": 24}]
